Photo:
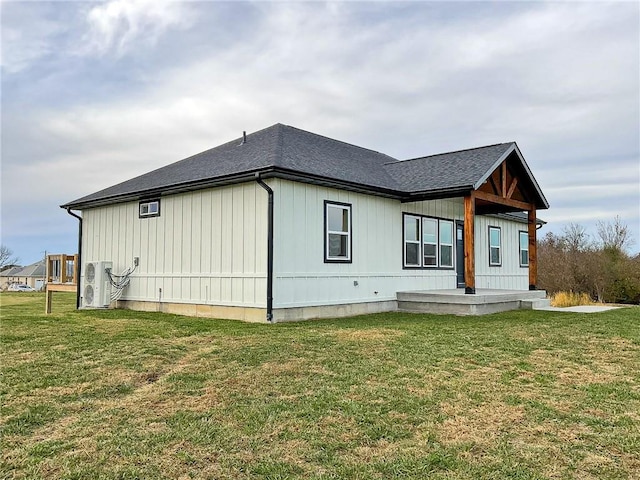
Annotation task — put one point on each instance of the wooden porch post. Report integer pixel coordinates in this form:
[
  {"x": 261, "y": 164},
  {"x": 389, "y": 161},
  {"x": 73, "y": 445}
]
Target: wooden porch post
[
  {"x": 469, "y": 249},
  {"x": 533, "y": 248},
  {"x": 63, "y": 268}
]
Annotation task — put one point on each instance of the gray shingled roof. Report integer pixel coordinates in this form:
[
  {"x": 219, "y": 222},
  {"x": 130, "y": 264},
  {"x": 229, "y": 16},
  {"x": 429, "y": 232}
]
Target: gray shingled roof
[
  {"x": 282, "y": 150},
  {"x": 461, "y": 169},
  {"x": 34, "y": 270},
  {"x": 10, "y": 272}
]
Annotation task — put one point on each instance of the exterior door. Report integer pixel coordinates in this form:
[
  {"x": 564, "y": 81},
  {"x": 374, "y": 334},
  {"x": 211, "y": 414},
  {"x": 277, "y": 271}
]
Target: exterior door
[{"x": 460, "y": 254}]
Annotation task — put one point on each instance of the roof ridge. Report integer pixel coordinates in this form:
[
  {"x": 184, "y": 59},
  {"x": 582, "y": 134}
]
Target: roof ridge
[
  {"x": 449, "y": 153},
  {"x": 190, "y": 157},
  {"x": 279, "y": 147},
  {"x": 339, "y": 141}
]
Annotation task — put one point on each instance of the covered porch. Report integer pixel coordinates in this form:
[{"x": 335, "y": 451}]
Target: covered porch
[{"x": 507, "y": 187}]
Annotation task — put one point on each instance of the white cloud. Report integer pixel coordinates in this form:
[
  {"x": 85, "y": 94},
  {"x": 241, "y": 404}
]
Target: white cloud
[
  {"x": 561, "y": 79},
  {"x": 27, "y": 35},
  {"x": 118, "y": 25}
]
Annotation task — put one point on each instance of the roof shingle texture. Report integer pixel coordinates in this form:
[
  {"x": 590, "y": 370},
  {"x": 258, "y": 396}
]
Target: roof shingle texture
[
  {"x": 287, "y": 148},
  {"x": 34, "y": 270},
  {"x": 446, "y": 170},
  {"x": 277, "y": 146}
]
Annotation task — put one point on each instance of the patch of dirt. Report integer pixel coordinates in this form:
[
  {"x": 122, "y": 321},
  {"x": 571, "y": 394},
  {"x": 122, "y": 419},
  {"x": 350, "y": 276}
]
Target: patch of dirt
[
  {"x": 291, "y": 366},
  {"x": 375, "y": 452},
  {"x": 571, "y": 373},
  {"x": 366, "y": 335},
  {"x": 110, "y": 326},
  {"x": 480, "y": 425}
]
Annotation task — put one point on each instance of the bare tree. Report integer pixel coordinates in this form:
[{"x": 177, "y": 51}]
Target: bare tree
[
  {"x": 614, "y": 235},
  {"x": 600, "y": 267},
  {"x": 7, "y": 258},
  {"x": 575, "y": 237}
]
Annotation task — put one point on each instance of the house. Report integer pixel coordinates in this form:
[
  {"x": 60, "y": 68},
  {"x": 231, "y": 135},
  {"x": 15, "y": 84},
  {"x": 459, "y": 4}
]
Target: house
[
  {"x": 287, "y": 224},
  {"x": 32, "y": 275},
  {"x": 7, "y": 275}
]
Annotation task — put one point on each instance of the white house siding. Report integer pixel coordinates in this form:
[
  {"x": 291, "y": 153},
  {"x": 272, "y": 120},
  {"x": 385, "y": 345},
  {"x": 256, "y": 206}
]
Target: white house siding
[
  {"x": 303, "y": 279},
  {"x": 206, "y": 247},
  {"x": 510, "y": 275}
]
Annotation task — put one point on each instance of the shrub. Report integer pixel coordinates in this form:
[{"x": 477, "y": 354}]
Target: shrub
[{"x": 570, "y": 299}]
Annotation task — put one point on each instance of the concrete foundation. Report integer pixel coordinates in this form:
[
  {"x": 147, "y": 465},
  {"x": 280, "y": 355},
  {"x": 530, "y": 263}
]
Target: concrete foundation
[
  {"x": 332, "y": 311},
  {"x": 454, "y": 302},
  {"x": 248, "y": 314}
]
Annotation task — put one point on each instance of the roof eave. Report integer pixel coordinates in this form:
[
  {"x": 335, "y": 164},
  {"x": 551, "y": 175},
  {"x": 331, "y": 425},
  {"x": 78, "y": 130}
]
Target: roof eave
[
  {"x": 271, "y": 172},
  {"x": 515, "y": 218},
  {"x": 435, "y": 194},
  {"x": 295, "y": 175},
  {"x": 163, "y": 191}
]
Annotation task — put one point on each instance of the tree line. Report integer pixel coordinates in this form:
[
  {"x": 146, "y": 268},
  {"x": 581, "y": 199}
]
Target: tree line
[{"x": 598, "y": 266}]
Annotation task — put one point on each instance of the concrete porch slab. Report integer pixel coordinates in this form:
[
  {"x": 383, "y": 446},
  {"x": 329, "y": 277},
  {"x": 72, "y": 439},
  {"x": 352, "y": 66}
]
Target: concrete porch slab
[
  {"x": 581, "y": 309},
  {"x": 456, "y": 302}
]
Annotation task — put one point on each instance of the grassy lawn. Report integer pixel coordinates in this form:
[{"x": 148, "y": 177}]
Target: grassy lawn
[{"x": 118, "y": 394}]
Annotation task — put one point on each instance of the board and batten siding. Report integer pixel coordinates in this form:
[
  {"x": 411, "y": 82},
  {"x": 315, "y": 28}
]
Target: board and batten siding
[
  {"x": 206, "y": 247},
  {"x": 302, "y": 278},
  {"x": 376, "y": 272},
  {"x": 510, "y": 275}
]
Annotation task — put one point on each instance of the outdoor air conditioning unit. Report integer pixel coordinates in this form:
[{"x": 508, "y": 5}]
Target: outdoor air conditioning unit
[{"x": 97, "y": 287}]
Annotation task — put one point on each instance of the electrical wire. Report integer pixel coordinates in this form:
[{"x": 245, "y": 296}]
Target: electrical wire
[{"x": 120, "y": 282}]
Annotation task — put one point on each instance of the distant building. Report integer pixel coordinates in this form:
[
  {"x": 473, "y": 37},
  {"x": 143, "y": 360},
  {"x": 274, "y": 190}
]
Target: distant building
[{"x": 32, "y": 275}]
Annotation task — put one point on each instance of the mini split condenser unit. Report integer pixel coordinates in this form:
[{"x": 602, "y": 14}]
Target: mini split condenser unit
[{"x": 97, "y": 287}]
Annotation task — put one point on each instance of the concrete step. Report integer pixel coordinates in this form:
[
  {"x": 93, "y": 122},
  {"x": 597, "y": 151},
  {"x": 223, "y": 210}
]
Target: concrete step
[{"x": 535, "y": 304}]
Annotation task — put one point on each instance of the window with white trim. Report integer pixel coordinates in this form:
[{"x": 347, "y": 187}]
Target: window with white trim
[
  {"x": 430, "y": 242},
  {"x": 412, "y": 241},
  {"x": 495, "y": 247},
  {"x": 427, "y": 242},
  {"x": 337, "y": 228},
  {"x": 149, "y": 209},
  {"x": 446, "y": 243},
  {"x": 524, "y": 248}
]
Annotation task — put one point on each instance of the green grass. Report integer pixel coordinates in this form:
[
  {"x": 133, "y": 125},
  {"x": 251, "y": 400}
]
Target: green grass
[{"x": 126, "y": 395}]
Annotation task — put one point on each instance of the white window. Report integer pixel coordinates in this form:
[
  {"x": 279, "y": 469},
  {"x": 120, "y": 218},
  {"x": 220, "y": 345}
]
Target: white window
[
  {"x": 430, "y": 242},
  {"x": 524, "y": 249},
  {"x": 446, "y": 243},
  {"x": 411, "y": 241},
  {"x": 495, "y": 249},
  {"x": 150, "y": 209},
  {"x": 337, "y": 227}
]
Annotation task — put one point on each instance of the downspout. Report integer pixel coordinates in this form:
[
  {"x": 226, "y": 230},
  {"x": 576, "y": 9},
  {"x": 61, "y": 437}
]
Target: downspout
[
  {"x": 79, "y": 259},
  {"x": 269, "y": 247}
]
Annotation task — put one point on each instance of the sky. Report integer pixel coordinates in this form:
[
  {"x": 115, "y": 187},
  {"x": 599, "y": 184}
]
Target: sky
[{"x": 95, "y": 93}]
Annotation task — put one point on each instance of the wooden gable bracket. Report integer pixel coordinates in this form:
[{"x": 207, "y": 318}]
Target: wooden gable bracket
[
  {"x": 504, "y": 183},
  {"x": 503, "y": 174},
  {"x": 469, "y": 232},
  {"x": 512, "y": 187}
]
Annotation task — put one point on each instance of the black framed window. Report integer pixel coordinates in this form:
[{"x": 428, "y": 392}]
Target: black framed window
[
  {"x": 495, "y": 246},
  {"x": 446, "y": 243},
  {"x": 337, "y": 232},
  {"x": 523, "y": 238},
  {"x": 412, "y": 234},
  {"x": 427, "y": 242},
  {"x": 430, "y": 242},
  {"x": 149, "y": 208}
]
